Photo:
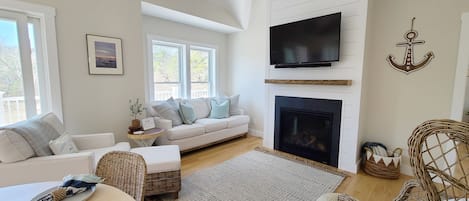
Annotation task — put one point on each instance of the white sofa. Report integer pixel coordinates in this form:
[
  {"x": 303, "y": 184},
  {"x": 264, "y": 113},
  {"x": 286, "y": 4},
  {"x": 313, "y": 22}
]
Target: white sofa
[
  {"x": 204, "y": 131},
  {"x": 54, "y": 167}
]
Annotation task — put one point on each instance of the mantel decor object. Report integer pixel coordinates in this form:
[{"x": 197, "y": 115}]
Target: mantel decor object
[
  {"x": 104, "y": 55},
  {"x": 409, "y": 65}
]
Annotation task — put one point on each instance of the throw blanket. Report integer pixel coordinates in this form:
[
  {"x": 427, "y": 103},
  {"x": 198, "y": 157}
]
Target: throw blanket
[
  {"x": 72, "y": 185},
  {"x": 36, "y": 133}
]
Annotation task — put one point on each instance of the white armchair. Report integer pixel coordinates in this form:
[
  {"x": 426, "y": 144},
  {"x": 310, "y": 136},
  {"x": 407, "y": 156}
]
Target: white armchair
[{"x": 49, "y": 168}]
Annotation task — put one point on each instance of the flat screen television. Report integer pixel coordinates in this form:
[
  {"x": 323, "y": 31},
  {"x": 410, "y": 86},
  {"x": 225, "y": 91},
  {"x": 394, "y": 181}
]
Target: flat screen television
[{"x": 308, "y": 43}]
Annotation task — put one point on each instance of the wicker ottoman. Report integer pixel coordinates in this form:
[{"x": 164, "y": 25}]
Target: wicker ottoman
[{"x": 163, "y": 169}]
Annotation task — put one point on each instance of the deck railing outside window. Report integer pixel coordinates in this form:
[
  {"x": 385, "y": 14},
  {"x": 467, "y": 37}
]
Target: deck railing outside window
[{"x": 12, "y": 109}]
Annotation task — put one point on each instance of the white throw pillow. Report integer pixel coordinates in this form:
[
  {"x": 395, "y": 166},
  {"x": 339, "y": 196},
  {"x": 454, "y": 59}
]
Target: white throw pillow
[
  {"x": 63, "y": 145},
  {"x": 167, "y": 111},
  {"x": 13, "y": 147},
  {"x": 201, "y": 107},
  {"x": 234, "y": 103}
]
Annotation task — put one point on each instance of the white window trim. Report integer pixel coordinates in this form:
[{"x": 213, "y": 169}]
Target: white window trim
[
  {"x": 46, "y": 15},
  {"x": 212, "y": 65},
  {"x": 213, "y": 69}
]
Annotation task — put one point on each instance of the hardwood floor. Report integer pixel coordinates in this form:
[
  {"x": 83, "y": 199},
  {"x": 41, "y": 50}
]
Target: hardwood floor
[{"x": 360, "y": 186}]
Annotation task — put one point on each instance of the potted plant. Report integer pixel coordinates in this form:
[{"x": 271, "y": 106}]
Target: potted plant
[{"x": 135, "y": 110}]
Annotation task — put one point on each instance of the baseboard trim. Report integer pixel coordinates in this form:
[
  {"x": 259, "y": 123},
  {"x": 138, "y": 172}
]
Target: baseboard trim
[{"x": 256, "y": 133}]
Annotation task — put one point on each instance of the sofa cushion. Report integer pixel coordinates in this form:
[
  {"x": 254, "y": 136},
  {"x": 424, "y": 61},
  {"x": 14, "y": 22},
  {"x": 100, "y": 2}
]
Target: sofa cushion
[
  {"x": 52, "y": 119},
  {"x": 160, "y": 158},
  {"x": 219, "y": 109},
  {"x": 36, "y": 133},
  {"x": 234, "y": 103},
  {"x": 237, "y": 120},
  {"x": 201, "y": 107},
  {"x": 185, "y": 131},
  {"x": 98, "y": 153},
  {"x": 187, "y": 113},
  {"x": 13, "y": 147},
  {"x": 168, "y": 111},
  {"x": 212, "y": 125},
  {"x": 151, "y": 112}
]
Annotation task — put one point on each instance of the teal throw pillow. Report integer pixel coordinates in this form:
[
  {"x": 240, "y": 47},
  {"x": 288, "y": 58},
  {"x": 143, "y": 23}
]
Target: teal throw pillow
[
  {"x": 187, "y": 113},
  {"x": 220, "y": 110}
]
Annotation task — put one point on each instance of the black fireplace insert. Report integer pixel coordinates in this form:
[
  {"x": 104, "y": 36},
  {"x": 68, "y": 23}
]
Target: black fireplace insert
[{"x": 308, "y": 128}]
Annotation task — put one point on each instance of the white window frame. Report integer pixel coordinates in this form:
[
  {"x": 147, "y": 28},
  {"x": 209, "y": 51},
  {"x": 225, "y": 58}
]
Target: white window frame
[
  {"x": 185, "y": 73},
  {"x": 182, "y": 62},
  {"x": 51, "y": 87},
  {"x": 211, "y": 67}
]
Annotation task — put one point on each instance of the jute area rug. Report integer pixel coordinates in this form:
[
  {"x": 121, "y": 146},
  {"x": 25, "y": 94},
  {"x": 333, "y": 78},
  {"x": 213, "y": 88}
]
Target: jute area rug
[{"x": 257, "y": 176}]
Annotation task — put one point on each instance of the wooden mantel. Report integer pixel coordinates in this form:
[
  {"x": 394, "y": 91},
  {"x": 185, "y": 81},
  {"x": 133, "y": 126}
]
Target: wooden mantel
[{"x": 310, "y": 82}]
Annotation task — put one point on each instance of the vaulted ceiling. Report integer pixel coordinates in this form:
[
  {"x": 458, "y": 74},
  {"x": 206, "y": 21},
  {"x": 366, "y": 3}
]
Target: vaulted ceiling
[{"x": 225, "y": 16}]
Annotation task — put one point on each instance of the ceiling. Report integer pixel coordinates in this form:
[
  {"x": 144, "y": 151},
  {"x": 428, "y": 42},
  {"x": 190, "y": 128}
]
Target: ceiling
[{"x": 227, "y": 16}]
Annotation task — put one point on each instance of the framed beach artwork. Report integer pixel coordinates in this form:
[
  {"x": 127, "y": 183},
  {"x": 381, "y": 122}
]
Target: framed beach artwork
[{"x": 104, "y": 55}]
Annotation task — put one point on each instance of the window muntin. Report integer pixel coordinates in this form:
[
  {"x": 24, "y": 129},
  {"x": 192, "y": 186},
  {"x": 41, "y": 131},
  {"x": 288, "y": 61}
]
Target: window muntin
[
  {"x": 167, "y": 70},
  {"x": 200, "y": 62},
  {"x": 181, "y": 70}
]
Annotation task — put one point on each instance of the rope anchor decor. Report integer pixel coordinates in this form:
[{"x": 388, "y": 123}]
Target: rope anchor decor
[{"x": 409, "y": 65}]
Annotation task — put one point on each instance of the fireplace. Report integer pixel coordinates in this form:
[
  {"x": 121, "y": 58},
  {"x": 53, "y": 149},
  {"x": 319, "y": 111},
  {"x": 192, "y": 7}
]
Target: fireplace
[{"x": 308, "y": 127}]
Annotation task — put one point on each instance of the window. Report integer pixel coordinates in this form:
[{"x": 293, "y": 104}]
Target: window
[
  {"x": 181, "y": 70},
  {"x": 26, "y": 75}
]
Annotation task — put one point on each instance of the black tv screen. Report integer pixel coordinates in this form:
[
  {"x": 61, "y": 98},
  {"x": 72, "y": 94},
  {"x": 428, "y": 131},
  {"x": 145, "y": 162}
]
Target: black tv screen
[{"x": 310, "y": 41}]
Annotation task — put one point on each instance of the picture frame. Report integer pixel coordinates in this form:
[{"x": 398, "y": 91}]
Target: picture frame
[
  {"x": 104, "y": 55},
  {"x": 148, "y": 123}
]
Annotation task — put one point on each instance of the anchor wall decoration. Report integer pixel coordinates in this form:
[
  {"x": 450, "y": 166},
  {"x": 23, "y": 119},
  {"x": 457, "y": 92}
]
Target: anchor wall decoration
[{"x": 409, "y": 65}]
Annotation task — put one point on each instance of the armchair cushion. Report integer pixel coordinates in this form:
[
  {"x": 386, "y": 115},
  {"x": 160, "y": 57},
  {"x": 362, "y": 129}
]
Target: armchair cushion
[
  {"x": 98, "y": 153},
  {"x": 93, "y": 141},
  {"x": 47, "y": 168},
  {"x": 13, "y": 147}
]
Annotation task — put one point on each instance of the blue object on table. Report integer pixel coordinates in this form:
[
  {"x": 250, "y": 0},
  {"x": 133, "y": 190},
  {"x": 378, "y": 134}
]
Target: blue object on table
[
  {"x": 80, "y": 183},
  {"x": 74, "y": 185}
]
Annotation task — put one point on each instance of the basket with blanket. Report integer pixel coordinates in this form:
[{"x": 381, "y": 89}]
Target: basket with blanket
[{"x": 378, "y": 161}]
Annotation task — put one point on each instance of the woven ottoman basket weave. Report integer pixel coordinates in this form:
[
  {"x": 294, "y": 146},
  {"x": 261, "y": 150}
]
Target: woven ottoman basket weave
[{"x": 163, "y": 169}]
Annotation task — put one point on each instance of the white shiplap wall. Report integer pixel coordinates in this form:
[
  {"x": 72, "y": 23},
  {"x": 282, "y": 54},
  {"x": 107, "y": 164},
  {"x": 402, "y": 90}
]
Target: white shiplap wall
[{"x": 353, "y": 31}]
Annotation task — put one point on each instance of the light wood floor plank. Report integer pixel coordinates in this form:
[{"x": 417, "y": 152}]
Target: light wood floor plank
[{"x": 361, "y": 185}]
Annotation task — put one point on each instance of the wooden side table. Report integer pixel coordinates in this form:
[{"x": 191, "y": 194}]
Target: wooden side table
[{"x": 147, "y": 138}]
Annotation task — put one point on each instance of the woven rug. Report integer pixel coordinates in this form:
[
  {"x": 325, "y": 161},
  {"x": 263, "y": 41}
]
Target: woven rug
[{"x": 258, "y": 176}]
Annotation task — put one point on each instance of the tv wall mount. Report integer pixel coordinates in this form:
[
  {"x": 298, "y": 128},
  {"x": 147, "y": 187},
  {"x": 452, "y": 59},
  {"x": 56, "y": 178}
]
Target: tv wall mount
[{"x": 300, "y": 65}]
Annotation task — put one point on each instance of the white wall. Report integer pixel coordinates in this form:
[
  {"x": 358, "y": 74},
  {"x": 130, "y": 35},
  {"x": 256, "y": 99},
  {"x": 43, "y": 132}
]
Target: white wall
[
  {"x": 247, "y": 60},
  {"x": 173, "y": 30},
  {"x": 396, "y": 102},
  {"x": 98, "y": 103},
  {"x": 353, "y": 29}
]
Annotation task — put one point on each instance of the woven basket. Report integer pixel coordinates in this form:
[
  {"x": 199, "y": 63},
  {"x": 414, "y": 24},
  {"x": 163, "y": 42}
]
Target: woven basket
[{"x": 380, "y": 169}]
